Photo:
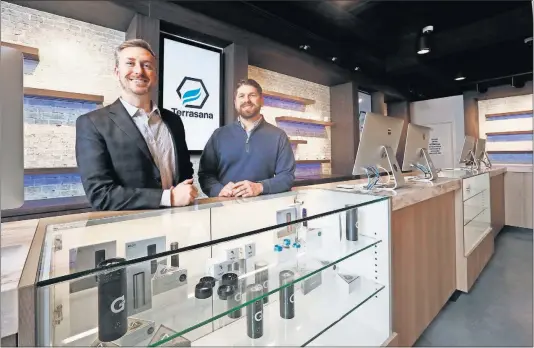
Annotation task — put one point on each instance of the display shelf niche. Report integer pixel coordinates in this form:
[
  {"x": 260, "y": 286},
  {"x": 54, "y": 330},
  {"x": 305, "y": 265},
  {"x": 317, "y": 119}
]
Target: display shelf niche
[
  {"x": 300, "y": 100},
  {"x": 28, "y": 52},
  {"x": 312, "y": 161},
  {"x": 51, "y": 170},
  {"x": 510, "y": 132},
  {"x": 302, "y": 120},
  {"x": 298, "y": 141},
  {"x": 49, "y": 93}
]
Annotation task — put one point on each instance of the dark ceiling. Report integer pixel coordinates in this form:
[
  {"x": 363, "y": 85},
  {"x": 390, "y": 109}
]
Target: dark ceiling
[{"x": 482, "y": 39}]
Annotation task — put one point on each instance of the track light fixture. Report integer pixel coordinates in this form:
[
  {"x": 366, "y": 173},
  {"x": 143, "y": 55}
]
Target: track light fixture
[
  {"x": 481, "y": 89},
  {"x": 518, "y": 82},
  {"x": 305, "y": 47},
  {"x": 334, "y": 59},
  {"x": 423, "y": 44}
]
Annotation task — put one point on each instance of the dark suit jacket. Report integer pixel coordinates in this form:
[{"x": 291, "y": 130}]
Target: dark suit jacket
[{"x": 116, "y": 167}]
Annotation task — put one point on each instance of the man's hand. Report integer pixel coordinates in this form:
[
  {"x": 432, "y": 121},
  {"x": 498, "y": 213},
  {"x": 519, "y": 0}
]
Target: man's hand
[
  {"x": 247, "y": 188},
  {"x": 227, "y": 190},
  {"x": 184, "y": 193}
]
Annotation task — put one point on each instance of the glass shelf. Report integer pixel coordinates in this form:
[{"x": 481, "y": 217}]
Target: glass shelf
[
  {"x": 476, "y": 230},
  {"x": 190, "y": 317},
  {"x": 304, "y": 264},
  {"x": 472, "y": 212},
  {"x": 314, "y": 313},
  {"x": 474, "y": 193},
  {"x": 216, "y": 222}
]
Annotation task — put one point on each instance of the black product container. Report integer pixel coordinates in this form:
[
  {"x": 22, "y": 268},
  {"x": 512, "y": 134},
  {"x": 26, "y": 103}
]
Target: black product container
[
  {"x": 203, "y": 291},
  {"x": 233, "y": 297},
  {"x": 175, "y": 259},
  {"x": 255, "y": 311},
  {"x": 262, "y": 277},
  {"x": 112, "y": 313},
  {"x": 351, "y": 224},
  {"x": 287, "y": 295},
  {"x": 232, "y": 280},
  {"x": 304, "y": 215}
]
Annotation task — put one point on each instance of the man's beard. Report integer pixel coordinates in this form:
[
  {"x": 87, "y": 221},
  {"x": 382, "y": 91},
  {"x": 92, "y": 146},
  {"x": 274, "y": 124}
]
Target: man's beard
[{"x": 255, "y": 110}]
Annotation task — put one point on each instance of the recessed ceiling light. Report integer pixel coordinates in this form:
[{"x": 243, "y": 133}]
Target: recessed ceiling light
[
  {"x": 459, "y": 77},
  {"x": 423, "y": 51}
]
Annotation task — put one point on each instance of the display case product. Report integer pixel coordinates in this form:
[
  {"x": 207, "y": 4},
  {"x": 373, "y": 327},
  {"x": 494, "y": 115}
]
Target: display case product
[{"x": 306, "y": 267}]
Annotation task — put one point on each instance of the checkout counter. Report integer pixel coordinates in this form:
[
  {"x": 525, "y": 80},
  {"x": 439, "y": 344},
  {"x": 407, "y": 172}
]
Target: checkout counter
[{"x": 429, "y": 258}]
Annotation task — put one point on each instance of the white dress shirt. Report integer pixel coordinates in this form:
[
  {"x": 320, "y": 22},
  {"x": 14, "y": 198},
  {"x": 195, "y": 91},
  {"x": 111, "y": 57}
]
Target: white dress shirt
[{"x": 160, "y": 143}]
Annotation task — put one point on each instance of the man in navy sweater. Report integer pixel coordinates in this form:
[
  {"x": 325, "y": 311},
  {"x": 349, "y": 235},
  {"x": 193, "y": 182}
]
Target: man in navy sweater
[{"x": 250, "y": 156}]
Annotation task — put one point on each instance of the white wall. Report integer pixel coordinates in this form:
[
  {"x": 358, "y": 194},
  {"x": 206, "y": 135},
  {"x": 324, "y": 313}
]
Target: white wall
[{"x": 442, "y": 114}]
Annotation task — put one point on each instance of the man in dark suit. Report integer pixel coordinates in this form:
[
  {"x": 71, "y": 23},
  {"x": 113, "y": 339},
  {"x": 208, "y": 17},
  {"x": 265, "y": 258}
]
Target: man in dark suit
[{"x": 132, "y": 155}]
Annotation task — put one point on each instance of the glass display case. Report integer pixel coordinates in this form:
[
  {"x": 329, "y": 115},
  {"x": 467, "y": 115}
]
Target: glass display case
[
  {"x": 476, "y": 206},
  {"x": 309, "y": 267},
  {"x": 477, "y": 211}
]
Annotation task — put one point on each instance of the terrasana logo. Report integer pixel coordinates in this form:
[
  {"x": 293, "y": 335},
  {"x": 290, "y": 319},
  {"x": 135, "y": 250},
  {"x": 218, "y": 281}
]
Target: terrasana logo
[{"x": 193, "y": 95}]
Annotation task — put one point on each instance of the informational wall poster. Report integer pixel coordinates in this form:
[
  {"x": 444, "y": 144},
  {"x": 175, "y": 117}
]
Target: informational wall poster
[
  {"x": 440, "y": 145},
  {"x": 192, "y": 88},
  {"x": 434, "y": 146}
]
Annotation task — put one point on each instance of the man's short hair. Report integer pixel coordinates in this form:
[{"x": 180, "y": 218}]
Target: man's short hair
[
  {"x": 133, "y": 43},
  {"x": 249, "y": 82}
]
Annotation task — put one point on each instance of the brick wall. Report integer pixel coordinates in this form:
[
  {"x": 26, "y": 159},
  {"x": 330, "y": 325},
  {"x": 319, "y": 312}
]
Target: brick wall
[
  {"x": 318, "y": 137},
  {"x": 75, "y": 57}
]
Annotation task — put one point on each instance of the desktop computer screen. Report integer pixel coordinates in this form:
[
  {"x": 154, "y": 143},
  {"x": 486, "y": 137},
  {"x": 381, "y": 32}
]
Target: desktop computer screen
[
  {"x": 378, "y": 146},
  {"x": 11, "y": 129},
  {"x": 416, "y": 154},
  {"x": 467, "y": 155}
]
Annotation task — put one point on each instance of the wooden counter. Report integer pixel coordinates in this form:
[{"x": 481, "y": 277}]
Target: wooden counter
[{"x": 518, "y": 196}]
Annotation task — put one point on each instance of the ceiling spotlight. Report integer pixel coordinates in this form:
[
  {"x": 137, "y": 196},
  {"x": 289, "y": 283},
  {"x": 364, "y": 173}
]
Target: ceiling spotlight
[
  {"x": 423, "y": 44},
  {"x": 334, "y": 59},
  {"x": 357, "y": 68},
  {"x": 459, "y": 77},
  {"x": 305, "y": 47}
]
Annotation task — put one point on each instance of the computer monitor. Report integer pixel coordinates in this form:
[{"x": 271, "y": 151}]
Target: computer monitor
[
  {"x": 481, "y": 155},
  {"x": 416, "y": 151},
  {"x": 11, "y": 129},
  {"x": 378, "y": 146},
  {"x": 480, "y": 149},
  {"x": 467, "y": 156}
]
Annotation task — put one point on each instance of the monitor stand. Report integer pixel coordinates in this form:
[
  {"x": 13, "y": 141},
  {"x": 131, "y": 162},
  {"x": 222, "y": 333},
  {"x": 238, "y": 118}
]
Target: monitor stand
[
  {"x": 429, "y": 165},
  {"x": 471, "y": 161},
  {"x": 387, "y": 152},
  {"x": 485, "y": 159}
]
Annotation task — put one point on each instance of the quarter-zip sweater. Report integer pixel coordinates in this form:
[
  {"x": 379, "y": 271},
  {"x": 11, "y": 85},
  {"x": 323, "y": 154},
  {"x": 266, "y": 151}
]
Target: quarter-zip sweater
[{"x": 231, "y": 156}]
